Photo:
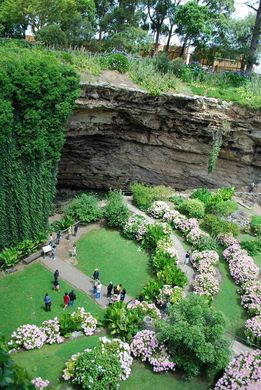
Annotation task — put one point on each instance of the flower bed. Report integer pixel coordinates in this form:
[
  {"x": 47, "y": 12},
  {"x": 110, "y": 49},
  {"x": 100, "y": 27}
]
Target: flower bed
[
  {"x": 135, "y": 227},
  {"x": 253, "y": 330},
  {"x": 27, "y": 337},
  {"x": 88, "y": 322},
  {"x": 40, "y": 383},
  {"x": 158, "y": 209},
  {"x": 51, "y": 328},
  {"x": 251, "y": 297},
  {"x": 206, "y": 284},
  {"x": 145, "y": 308},
  {"x": 244, "y": 372},
  {"x": 171, "y": 294}
]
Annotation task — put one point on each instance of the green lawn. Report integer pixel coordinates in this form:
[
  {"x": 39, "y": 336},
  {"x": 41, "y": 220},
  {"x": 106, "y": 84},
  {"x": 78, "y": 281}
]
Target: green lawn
[
  {"x": 119, "y": 260},
  {"x": 23, "y": 294},
  {"x": 228, "y": 302},
  {"x": 144, "y": 378},
  {"x": 49, "y": 361}
]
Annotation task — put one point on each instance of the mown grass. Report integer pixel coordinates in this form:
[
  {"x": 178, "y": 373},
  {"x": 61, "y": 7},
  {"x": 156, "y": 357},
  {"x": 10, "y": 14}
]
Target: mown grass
[
  {"x": 23, "y": 294},
  {"x": 119, "y": 260}
]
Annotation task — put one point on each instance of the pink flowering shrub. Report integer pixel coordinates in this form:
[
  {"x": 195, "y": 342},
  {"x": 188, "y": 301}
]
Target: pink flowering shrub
[
  {"x": 206, "y": 284},
  {"x": 171, "y": 216},
  {"x": 173, "y": 294},
  {"x": 40, "y": 383},
  {"x": 194, "y": 235},
  {"x": 253, "y": 330},
  {"x": 251, "y": 296},
  {"x": 146, "y": 346},
  {"x": 158, "y": 209},
  {"x": 51, "y": 328},
  {"x": 145, "y": 308},
  {"x": 166, "y": 247},
  {"x": 135, "y": 227},
  {"x": 27, "y": 337},
  {"x": 243, "y": 372},
  {"x": 70, "y": 366},
  {"x": 186, "y": 225},
  {"x": 227, "y": 240},
  {"x": 204, "y": 261},
  {"x": 243, "y": 269},
  {"x": 88, "y": 322}
]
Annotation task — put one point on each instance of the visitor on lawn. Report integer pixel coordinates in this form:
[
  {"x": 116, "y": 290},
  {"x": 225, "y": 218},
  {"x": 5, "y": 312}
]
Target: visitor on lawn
[
  {"x": 56, "y": 274},
  {"x": 66, "y": 300},
  {"x": 47, "y": 301},
  {"x": 109, "y": 290},
  {"x": 69, "y": 232},
  {"x": 75, "y": 229},
  {"x": 58, "y": 237},
  {"x": 56, "y": 285},
  {"x": 96, "y": 274},
  {"x": 53, "y": 252},
  {"x": 72, "y": 297},
  {"x": 122, "y": 294},
  {"x": 98, "y": 290}
]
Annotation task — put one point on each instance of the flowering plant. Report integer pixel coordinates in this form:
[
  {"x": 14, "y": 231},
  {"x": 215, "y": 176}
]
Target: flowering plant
[
  {"x": 88, "y": 322},
  {"x": 186, "y": 225},
  {"x": 172, "y": 216},
  {"x": 146, "y": 346},
  {"x": 51, "y": 328},
  {"x": 243, "y": 269},
  {"x": 145, "y": 308},
  {"x": 251, "y": 296},
  {"x": 204, "y": 261},
  {"x": 166, "y": 247},
  {"x": 206, "y": 284},
  {"x": 135, "y": 227},
  {"x": 173, "y": 294},
  {"x": 40, "y": 383},
  {"x": 227, "y": 240},
  {"x": 27, "y": 337},
  {"x": 195, "y": 234},
  {"x": 253, "y": 330},
  {"x": 243, "y": 372},
  {"x": 158, "y": 209}
]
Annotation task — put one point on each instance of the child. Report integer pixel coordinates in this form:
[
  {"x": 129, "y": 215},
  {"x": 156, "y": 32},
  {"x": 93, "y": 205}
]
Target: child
[
  {"x": 66, "y": 300},
  {"x": 56, "y": 285}
]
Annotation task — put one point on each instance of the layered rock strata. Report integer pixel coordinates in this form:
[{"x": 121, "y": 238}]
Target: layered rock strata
[{"x": 118, "y": 135}]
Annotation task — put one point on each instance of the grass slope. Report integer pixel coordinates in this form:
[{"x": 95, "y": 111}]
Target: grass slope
[
  {"x": 22, "y": 298},
  {"x": 49, "y": 361},
  {"x": 119, "y": 260}
]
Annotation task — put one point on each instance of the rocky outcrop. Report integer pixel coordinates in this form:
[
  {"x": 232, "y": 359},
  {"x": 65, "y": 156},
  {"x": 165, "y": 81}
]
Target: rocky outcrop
[{"x": 118, "y": 135}]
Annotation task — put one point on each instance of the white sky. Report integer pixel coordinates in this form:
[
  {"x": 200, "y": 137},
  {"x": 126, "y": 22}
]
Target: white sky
[{"x": 241, "y": 9}]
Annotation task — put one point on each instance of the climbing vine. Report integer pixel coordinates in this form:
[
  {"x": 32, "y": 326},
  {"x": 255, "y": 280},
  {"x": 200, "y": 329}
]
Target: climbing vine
[
  {"x": 37, "y": 95},
  {"x": 217, "y": 143}
]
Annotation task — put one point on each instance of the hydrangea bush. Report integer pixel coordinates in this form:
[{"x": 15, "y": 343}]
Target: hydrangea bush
[
  {"x": 172, "y": 294},
  {"x": 88, "y": 322},
  {"x": 40, "y": 383},
  {"x": 244, "y": 372},
  {"x": 251, "y": 296},
  {"x": 158, "y": 209},
  {"x": 166, "y": 247},
  {"x": 206, "y": 284},
  {"x": 253, "y": 330},
  {"x": 27, "y": 337},
  {"x": 204, "y": 261},
  {"x": 51, "y": 328},
  {"x": 146, "y": 346},
  {"x": 145, "y": 308},
  {"x": 135, "y": 227}
]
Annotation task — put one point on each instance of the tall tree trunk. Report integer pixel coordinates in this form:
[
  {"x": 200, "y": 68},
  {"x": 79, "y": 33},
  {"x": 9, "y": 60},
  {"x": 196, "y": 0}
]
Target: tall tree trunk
[
  {"x": 156, "y": 47},
  {"x": 100, "y": 34},
  {"x": 169, "y": 38},
  {"x": 254, "y": 41},
  {"x": 182, "y": 51}
]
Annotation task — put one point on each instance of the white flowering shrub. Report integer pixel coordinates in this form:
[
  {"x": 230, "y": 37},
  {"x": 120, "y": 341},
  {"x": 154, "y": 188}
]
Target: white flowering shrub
[
  {"x": 27, "y": 337},
  {"x": 40, "y": 383},
  {"x": 158, "y": 209},
  {"x": 51, "y": 329}
]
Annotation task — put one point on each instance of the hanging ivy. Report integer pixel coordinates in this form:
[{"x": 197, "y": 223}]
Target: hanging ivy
[
  {"x": 217, "y": 143},
  {"x": 37, "y": 95}
]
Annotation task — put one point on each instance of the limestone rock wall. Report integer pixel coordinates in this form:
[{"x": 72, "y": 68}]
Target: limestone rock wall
[{"x": 117, "y": 136}]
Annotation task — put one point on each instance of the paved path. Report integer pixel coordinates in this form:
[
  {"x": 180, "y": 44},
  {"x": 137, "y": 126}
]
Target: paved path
[{"x": 187, "y": 269}]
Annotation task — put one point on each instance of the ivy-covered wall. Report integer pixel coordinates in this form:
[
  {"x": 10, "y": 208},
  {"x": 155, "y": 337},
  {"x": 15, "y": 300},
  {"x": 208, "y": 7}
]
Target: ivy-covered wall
[{"x": 37, "y": 95}]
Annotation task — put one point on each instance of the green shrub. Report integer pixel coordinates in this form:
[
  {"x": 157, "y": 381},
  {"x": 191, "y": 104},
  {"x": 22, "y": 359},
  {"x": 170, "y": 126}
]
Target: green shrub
[
  {"x": 223, "y": 208},
  {"x": 154, "y": 233},
  {"x": 84, "y": 209},
  {"x": 215, "y": 225},
  {"x": 256, "y": 224},
  {"x": 117, "y": 62},
  {"x": 144, "y": 195},
  {"x": 252, "y": 246},
  {"x": 9, "y": 257},
  {"x": 206, "y": 243},
  {"x": 70, "y": 324},
  {"x": 62, "y": 224},
  {"x": 162, "y": 62},
  {"x": 97, "y": 370},
  {"x": 116, "y": 212},
  {"x": 178, "y": 200},
  {"x": 160, "y": 261},
  {"x": 202, "y": 194},
  {"x": 226, "y": 193},
  {"x": 193, "y": 208},
  {"x": 122, "y": 321},
  {"x": 151, "y": 290},
  {"x": 172, "y": 275}
]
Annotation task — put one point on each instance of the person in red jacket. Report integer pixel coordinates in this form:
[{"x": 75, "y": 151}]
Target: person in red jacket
[{"x": 66, "y": 300}]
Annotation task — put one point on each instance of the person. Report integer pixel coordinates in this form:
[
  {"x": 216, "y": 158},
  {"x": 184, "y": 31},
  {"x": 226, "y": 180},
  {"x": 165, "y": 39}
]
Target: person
[
  {"x": 116, "y": 294},
  {"x": 56, "y": 285},
  {"x": 96, "y": 282},
  {"x": 141, "y": 298},
  {"x": 96, "y": 274},
  {"x": 75, "y": 229},
  {"x": 66, "y": 300},
  {"x": 187, "y": 257},
  {"x": 51, "y": 239},
  {"x": 58, "y": 237},
  {"x": 74, "y": 252},
  {"x": 251, "y": 187},
  {"x": 69, "y": 232},
  {"x": 98, "y": 290},
  {"x": 109, "y": 290},
  {"x": 53, "y": 252},
  {"x": 122, "y": 294},
  {"x": 72, "y": 297},
  {"x": 56, "y": 274},
  {"x": 47, "y": 301},
  {"x": 118, "y": 288}
]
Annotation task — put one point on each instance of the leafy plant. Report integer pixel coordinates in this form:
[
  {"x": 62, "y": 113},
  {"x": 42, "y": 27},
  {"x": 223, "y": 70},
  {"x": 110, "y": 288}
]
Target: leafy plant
[
  {"x": 206, "y": 243},
  {"x": 193, "y": 208},
  {"x": 151, "y": 290},
  {"x": 144, "y": 195},
  {"x": 215, "y": 225},
  {"x": 223, "y": 208},
  {"x": 9, "y": 257},
  {"x": 84, "y": 208},
  {"x": 217, "y": 143},
  {"x": 252, "y": 246},
  {"x": 62, "y": 224},
  {"x": 172, "y": 276},
  {"x": 69, "y": 324},
  {"x": 117, "y": 62},
  {"x": 116, "y": 212},
  {"x": 256, "y": 224},
  {"x": 202, "y": 194},
  {"x": 226, "y": 193},
  {"x": 154, "y": 233},
  {"x": 178, "y": 200},
  {"x": 161, "y": 260}
]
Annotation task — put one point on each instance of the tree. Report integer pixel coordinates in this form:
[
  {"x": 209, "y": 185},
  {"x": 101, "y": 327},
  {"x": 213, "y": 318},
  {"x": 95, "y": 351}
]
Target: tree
[
  {"x": 252, "y": 58},
  {"x": 131, "y": 40},
  {"x": 103, "y": 10},
  {"x": 157, "y": 12},
  {"x": 194, "y": 336},
  {"x": 171, "y": 17},
  {"x": 51, "y": 36}
]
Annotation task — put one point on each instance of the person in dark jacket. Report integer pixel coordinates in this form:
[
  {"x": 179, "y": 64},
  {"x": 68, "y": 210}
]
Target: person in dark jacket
[
  {"x": 56, "y": 274},
  {"x": 96, "y": 274},
  {"x": 122, "y": 295},
  {"x": 109, "y": 290},
  {"x": 58, "y": 237},
  {"x": 75, "y": 229},
  {"x": 72, "y": 298},
  {"x": 48, "y": 302}
]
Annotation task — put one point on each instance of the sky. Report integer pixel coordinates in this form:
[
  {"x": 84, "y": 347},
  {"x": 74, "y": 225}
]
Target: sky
[{"x": 241, "y": 9}]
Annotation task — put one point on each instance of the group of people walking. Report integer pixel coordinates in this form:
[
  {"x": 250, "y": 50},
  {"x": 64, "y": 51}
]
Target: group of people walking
[
  {"x": 114, "y": 292},
  {"x": 68, "y": 299}
]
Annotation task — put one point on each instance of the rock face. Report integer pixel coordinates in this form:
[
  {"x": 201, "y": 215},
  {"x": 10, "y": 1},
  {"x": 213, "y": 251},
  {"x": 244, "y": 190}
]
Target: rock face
[{"x": 118, "y": 135}]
